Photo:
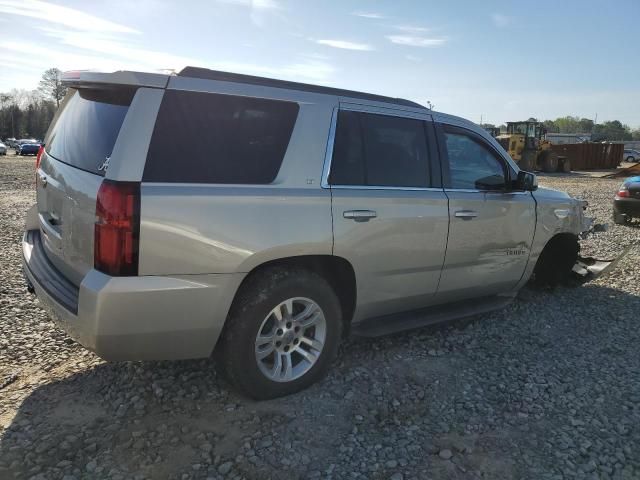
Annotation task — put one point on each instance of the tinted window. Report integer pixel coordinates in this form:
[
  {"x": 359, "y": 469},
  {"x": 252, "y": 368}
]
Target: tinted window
[
  {"x": 347, "y": 165},
  {"x": 472, "y": 165},
  {"x": 379, "y": 150},
  {"x": 212, "y": 138},
  {"x": 84, "y": 132}
]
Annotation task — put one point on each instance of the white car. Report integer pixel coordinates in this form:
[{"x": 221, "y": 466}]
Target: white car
[
  {"x": 3, "y": 149},
  {"x": 631, "y": 155}
]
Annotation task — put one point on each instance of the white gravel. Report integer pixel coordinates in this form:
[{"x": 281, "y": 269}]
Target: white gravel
[{"x": 547, "y": 388}]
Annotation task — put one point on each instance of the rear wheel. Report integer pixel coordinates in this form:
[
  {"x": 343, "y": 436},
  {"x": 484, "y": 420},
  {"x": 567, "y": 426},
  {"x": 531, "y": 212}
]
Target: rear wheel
[
  {"x": 282, "y": 333},
  {"x": 548, "y": 161},
  {"x": 620, "y": 218}
]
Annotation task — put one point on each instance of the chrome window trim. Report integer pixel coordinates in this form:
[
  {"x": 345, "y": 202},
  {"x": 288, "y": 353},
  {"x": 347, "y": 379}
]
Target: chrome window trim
[
  {"x": 324, "y": 182},
  {"x": 494, "y": 192},
  {"x": 382, "y": 187},
  {"x": 388, "y": 111},
  {"x": 328, "y": 156}
]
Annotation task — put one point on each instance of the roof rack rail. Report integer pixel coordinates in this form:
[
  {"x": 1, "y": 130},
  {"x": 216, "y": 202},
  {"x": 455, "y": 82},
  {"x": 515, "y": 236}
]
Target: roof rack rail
[{"x": 207, "y": 74}]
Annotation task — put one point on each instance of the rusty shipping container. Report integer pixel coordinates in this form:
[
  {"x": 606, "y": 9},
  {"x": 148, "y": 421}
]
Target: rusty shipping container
[{"x": 591, "y": 156}]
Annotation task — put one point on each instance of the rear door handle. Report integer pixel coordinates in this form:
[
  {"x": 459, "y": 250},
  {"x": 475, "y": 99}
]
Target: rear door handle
[
  {"x": 466, "y": 214},
  {"x": 359, "y": 215}
]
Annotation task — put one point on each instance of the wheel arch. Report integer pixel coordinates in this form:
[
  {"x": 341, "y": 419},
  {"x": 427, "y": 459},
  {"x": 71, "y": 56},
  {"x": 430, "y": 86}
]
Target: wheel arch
[
  {"x": 338, "y": 272},
  {"x": 556, "y": 258}
]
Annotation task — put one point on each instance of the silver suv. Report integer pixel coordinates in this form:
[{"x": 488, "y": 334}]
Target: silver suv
[{"x": 269, "y": 219}]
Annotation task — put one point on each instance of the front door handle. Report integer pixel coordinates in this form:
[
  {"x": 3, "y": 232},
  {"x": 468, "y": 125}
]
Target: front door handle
[
  {"x": 359, "y": 215},
  {"x": 466, "y": 214}
]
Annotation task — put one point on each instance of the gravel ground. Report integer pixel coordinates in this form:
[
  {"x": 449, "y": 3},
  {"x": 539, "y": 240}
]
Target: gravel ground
[{"x": 547, "y": 388}]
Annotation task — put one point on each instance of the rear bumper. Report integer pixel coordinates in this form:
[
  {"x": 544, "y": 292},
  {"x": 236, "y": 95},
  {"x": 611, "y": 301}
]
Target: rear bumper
[
  {"x": 627, "y": 206},
  {"x": 133, "y": 318}
]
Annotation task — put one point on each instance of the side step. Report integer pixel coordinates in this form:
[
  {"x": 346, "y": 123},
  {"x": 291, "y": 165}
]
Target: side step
[{"x": 398, "y": 322}]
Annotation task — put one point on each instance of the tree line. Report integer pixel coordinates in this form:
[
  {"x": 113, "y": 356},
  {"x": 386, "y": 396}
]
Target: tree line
[
  {"x": 613, "y": 130},
  {"x": 28, "y": 113}
]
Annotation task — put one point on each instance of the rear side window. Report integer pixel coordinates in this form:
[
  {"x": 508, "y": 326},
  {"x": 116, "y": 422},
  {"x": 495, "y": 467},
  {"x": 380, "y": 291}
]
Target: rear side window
[
  {"x": 379, "y": 150},
  {"x": 213, "y": 138},
  {"x": 85, "y": 130}
]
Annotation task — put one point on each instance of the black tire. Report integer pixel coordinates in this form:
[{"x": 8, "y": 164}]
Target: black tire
[
  {"x": 630, "y": 159},
  {"x": 257, "y": 297},
  {"x": 620, "y": 219},
  {"x": 548, "y": 161}
]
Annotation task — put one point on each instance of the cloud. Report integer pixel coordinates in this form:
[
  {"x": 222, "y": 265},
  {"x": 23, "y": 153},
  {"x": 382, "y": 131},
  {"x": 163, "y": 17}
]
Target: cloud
[
  {"x": 259, "y": 10},
  {"x": 411, "y": 29},
  {"x": 501, "y": 20},
  {"x": 346, "y": 45},
  {"x": 372, "y": 15},
  {"x": 107, "y": 55},
  {"x": 413, "y": 58},
  {"x": 59, "y": 15},
  {"x": 75, "y": 40},
  {"x": 258, "y": 4},
  {"x": 416, "y": 40}
]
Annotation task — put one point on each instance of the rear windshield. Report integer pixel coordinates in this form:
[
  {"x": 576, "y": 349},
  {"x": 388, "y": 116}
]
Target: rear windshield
[
  {"x": 84, "y": 132},
  {"x": 213, "y": 138}
]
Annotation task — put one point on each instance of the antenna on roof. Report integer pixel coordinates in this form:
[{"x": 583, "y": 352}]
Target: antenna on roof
[{"x": 430, "y": 105}]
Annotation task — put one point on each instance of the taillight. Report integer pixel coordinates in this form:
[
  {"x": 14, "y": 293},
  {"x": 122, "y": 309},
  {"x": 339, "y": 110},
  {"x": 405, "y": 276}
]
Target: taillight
[
  {"x": 622, "y": 193},
  {"x": 117, "y": 229},
  {"x": 39, "y": 156}
]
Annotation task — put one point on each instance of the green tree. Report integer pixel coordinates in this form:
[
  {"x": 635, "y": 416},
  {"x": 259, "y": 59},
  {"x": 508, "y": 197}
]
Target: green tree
[
  {"x": 612, "y": 130},
  {"x": 51, "y": 85},
  {"x": 586, "y": 125},
  {"x": 24, "y": 114},
  {"x": 551, "y": 126}
]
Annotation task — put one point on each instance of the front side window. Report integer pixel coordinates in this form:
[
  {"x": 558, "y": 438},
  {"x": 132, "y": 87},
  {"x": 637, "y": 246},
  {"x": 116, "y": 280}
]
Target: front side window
[
  {"x": 379, "y": 150},
  {"x": 471, "y": 164}
]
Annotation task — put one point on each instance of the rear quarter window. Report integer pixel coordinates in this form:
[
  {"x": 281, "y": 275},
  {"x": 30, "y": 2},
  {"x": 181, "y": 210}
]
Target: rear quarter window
[
  {"x": 214, "y": 138},
  {"x": 85, "y": 130}
]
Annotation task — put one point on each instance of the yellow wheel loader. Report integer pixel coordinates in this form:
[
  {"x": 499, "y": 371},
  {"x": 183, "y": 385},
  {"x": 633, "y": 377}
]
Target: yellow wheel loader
[{"x": 527, "y": 145}]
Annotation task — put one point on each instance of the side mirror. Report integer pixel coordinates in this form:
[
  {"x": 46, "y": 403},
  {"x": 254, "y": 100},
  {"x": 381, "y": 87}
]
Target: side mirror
[{"x": 526, "y": 181}]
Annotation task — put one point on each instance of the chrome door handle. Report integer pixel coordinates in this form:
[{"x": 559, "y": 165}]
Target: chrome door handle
[
  {"x": 466, "y": 214},
  {"x": 359, "y": 215}
]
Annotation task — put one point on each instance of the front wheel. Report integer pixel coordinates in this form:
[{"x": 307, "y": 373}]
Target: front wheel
[
  {"x": 282, "y": 333},
  {"x": 549, "y": 161}
]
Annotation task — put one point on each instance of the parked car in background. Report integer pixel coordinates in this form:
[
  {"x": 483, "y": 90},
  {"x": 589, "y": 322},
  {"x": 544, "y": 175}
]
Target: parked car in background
[
  {"x": 27, "y": 147},
  {"x": 10, "y": 142},
  {"x": 3, "y": 149},
  {"x": 288, "y": 216},
  {"x": 626, "y": 204},
  {"x": 631, "y": 155}
]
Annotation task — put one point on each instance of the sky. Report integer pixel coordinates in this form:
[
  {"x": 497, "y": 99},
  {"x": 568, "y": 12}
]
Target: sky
[{"x": 489, "y": 60}]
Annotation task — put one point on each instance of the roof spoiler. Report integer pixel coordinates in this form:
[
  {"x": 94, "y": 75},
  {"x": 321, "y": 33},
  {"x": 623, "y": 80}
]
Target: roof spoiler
[{"x": 88, "y": 79}]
